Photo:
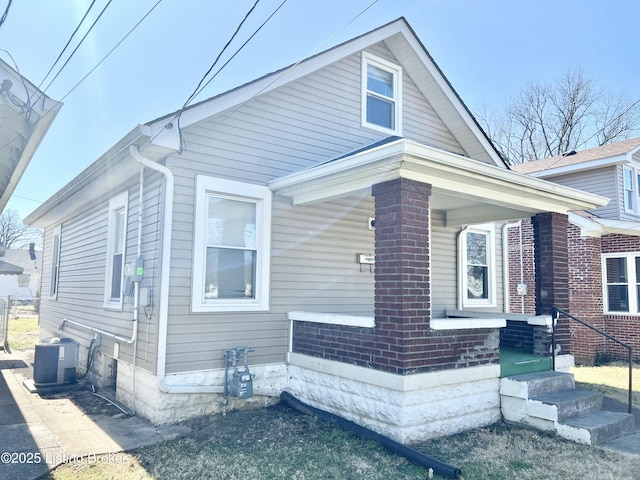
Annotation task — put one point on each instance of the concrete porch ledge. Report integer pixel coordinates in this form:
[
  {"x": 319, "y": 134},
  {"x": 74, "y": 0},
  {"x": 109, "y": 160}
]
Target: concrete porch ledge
[
  {"x": 333, "y": 319},
  {"x": 466, "y": 323}
]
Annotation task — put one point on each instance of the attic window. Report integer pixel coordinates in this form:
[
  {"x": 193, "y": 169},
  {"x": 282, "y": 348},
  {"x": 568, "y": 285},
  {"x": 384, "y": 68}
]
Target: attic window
[{"x": 381, "y": 94}]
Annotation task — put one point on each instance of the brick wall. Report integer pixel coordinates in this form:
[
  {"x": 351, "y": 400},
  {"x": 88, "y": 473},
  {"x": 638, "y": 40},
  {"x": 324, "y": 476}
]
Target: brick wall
[
  {"x": 402, "y": 341},
  {"x": 552, "y": 273},
  {"x": 521, "y": 303},
  {"x": 364, "y": 347},
  {"x": 585, "y": 293}
]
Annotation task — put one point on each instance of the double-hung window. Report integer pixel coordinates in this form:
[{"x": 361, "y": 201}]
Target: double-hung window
[
  {"x": 631, "y": 188},
  {"x": 116, "y": 244},
  {"x": 477, "y": 271},
  {"x": 621, "y": 282},
  {"x": 55, "y": 262},
  {"x": 381, "y": 94},
  {"x": 231, "y": 246}
]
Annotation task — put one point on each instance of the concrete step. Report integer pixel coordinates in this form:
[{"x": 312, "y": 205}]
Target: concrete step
[
  {"x": 597, "y": 428},
  {"x": 560, "y": 405},
  {"x": 534, "y": 384}
]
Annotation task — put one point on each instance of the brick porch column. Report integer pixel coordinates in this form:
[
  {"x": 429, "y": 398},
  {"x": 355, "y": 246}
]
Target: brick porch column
[
  {"x": 552, "y": 275},
  {"x": 402, "y": 294}
]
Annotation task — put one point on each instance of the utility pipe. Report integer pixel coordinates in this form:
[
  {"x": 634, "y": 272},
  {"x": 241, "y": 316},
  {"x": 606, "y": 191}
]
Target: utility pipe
[{"x": 163, "y": 308}]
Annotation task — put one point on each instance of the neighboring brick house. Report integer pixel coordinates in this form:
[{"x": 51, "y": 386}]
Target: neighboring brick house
[{"x": 603, "y": 248}]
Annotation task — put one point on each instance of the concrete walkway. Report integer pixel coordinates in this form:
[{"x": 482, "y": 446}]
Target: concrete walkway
[{"x": 39, "y": 432}]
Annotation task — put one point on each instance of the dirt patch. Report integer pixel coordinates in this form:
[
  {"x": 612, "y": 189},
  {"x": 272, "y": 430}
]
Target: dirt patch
[{"x": 92, "y": 403}]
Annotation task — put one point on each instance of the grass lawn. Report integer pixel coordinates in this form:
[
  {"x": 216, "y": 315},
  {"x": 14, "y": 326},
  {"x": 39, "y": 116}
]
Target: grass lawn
[
  {"x": 23, "y": 330},
  {"x": 280, "y": 443}
]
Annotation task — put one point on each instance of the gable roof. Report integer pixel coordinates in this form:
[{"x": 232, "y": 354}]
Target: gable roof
[
  {"x": 581, "y": 160},
  {"x": 403, "y": 43}
]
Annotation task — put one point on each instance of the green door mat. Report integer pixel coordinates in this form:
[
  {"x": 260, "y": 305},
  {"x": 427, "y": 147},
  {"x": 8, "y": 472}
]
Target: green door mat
[{"x": 517, "y": 362}]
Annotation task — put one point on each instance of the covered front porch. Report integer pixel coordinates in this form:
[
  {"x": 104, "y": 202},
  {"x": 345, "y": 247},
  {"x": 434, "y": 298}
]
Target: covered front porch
[{"x": 426, "y": 361}]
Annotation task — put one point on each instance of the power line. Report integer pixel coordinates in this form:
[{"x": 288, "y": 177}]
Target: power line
[
  {"x": 195, "y": 92},
  {"x": 112, "y": 50},
  {"x": 78, "y": 46},
  {"x": 6, "y": 12},
  {"x": 68, "y": 43},
  {"x": 241, "y": 47},
  {"x": 282, "y": 74}
]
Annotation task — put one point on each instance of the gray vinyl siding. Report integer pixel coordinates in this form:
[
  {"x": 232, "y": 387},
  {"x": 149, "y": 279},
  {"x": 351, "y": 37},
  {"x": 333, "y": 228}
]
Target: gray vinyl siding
[
  {"x": 82, "y": 274},
  {"x": 606, "y": 182},
  {"x": 311, "y": 120},
  {"x": 444, "y": 275},
  {"x": 444, "y": 267}
]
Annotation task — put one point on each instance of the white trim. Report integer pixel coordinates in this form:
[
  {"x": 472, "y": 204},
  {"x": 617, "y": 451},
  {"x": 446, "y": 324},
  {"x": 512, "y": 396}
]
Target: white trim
[
  {"x": 466, "y": 323},
  {"x": 333, "y": 319},
  {"x": 396, "y": 71},
  {"x": 445, "y": 171},
  {"x": 120, "y": 201},
  {"x": 487, "y": 229},
  {"x": 257, "y": 194},
  {"x": 55, "y": 258},
  {"x": 632, "y": 282}
]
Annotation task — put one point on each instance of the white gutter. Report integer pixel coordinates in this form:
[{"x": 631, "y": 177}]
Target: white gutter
[{"x": 163, "y": 310}]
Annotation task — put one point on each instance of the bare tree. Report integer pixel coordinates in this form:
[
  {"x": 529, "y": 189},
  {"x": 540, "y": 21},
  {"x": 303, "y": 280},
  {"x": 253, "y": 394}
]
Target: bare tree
[
  {"x": 546, "y": 120},
  {"x": 14, "y": 233}
]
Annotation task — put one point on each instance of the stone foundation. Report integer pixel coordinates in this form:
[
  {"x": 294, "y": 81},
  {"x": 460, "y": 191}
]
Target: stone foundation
[
  {"x": 407, "y": 408},
  {"x": 161, "y": 407}
]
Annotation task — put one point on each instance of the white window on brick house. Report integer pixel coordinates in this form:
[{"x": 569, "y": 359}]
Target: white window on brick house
[
  {"x": 621, "y": 272},
  {"x": 116, "y": 244},
  {"x": 381, "y": 95},
  {"x": 231, "y": 246},
  {"x": 477, "y": 270}
]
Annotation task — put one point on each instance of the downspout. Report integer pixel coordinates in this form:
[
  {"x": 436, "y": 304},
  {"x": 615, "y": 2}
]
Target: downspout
[
  {"x": 165, "y": 259},
  {"x": 505, "y": 257}
]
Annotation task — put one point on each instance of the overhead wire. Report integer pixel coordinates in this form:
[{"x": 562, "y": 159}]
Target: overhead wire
[
  {"x": 113, "y": 49},
  {"x": 79, "y": 44},
  {"x": 68, "y": 42},
  {"x": 200, "y": 86},
  {"x": 278, "y": 77},
  {"x": 6, "y": 12},
  {"x": 195, "y": 92}
]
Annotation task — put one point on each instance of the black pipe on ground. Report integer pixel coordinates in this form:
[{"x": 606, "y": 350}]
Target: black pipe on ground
[{"x": 364, "y": 433}]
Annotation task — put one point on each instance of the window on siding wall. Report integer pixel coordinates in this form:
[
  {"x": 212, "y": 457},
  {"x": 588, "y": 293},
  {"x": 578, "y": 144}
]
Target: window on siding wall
[
  {"x": 629, "y": 190},
  {"x": 231, "y": 246},
  {"x": 55, "y": 262},
  {"x": 477, "y": 273},
  {"x": 381, "y": 94},
  {"x": 116, "y": 244},
  {"x": 622, "y": 282}
]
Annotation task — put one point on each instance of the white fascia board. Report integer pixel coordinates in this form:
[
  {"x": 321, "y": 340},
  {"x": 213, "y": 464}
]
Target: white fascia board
[
  {"x": 453, "y": 98},
  {"x": 579, "y": 167},
  {"x": 441, "y": 169}
]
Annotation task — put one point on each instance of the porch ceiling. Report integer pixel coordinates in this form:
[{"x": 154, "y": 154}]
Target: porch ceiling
[{"x": 468, "y": 191}]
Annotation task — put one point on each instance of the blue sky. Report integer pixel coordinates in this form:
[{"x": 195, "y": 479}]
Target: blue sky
[{"x": 488, "y": 49}]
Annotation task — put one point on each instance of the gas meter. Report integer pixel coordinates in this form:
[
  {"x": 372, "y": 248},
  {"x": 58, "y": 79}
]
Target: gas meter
[{"x": 241, "y": 382}]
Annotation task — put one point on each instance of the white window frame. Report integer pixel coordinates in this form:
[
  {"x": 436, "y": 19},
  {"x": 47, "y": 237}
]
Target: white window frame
[
  {"x": 632, "y": 282},
  {"x": 487, "y": 229},
  {"x": 261, "y": 197},
  {"x": 119, "y": 202},
  {"x": 396, "y": 71},
  {"x": 54, "y": 277},
  {"x": 633, "y": 190}
]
